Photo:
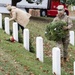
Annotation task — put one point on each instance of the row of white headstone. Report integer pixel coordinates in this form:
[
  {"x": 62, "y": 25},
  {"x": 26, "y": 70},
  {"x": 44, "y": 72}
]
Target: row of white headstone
[
  {"x": 15, "y": 28},
  {"x": 39, "y": 40},
  {"x": 56, "y": 63}
]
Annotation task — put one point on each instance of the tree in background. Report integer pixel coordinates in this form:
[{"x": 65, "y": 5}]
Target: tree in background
[
  {"x": 70, "y": 2},
  {"x": 14, "y": 2}
]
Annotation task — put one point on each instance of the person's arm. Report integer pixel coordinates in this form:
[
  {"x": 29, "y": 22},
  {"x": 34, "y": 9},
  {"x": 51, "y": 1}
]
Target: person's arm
[
  {"x": 13, "y": 16},
  {"x": 54, "y": 20},
  {"x": 70, "y": 24}
]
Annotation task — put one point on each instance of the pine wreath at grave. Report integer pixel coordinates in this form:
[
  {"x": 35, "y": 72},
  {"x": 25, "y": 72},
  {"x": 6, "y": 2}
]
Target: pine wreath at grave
[{"x": 54, "y": 31}]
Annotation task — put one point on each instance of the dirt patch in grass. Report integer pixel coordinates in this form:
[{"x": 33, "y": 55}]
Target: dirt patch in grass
[{"x": 72, "y": 13}]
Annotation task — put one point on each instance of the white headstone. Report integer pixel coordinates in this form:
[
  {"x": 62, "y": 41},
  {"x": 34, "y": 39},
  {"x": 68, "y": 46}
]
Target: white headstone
[
  {"x": 72, "y": 8},
  {"x": 26, "y": 39},
  {"x": 15, "y": 31},
  {"x": 0, "y": 20},
  {"x": 7, "y": 28},
  {"x": 74, "y": 67},
  {"x": 71, "y": 37},
  {"x": 39, "y": 48},
  {"x": 56, "y": 63}
]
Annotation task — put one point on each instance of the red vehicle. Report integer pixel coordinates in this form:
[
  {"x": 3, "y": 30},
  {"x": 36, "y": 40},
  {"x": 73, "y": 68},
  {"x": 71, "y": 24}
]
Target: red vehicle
[{"x": 52, "y": 9}]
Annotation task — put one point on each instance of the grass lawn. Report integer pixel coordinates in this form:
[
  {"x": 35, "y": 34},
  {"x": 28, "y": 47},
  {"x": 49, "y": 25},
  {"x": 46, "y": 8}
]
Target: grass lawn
[{"x": 15, "y": 60}]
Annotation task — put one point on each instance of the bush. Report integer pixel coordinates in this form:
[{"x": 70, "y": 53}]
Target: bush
[
  {"x": 20, "y": 37},
  {"x": 54, "y": 31},
  {"x": 31, "y": 48},
  {"x": 3, "y": 26}
]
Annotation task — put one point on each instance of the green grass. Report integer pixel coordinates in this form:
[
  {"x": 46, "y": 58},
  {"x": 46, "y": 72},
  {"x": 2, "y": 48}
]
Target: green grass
[
  {"x": 15, "y": 60},
  {"x": 15, "y": 53}
]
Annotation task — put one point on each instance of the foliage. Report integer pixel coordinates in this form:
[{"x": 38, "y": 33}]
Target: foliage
[
  {"x": 54, "y": 31},
  {"x": 70, "y": 2},
  {"x": 3, "y": 27},
  {"x": 31, "y": 48},
  {"x": 11, "y": 31},
  {"x": 20, "y": 38}
]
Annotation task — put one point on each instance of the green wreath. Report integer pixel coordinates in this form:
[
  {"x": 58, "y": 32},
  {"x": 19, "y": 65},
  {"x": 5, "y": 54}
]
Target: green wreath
[{"x": 55, "y": 32}]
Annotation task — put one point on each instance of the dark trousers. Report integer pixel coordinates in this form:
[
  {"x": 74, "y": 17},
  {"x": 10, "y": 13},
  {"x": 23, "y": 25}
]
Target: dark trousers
[{"x": 19, "y": 26}]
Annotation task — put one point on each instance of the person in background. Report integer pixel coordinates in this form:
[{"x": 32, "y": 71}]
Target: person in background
[
  {"x": 63, "y": 44},
  {"x": 18, "y": 15},
  {"x": 14, "y": 3}
]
